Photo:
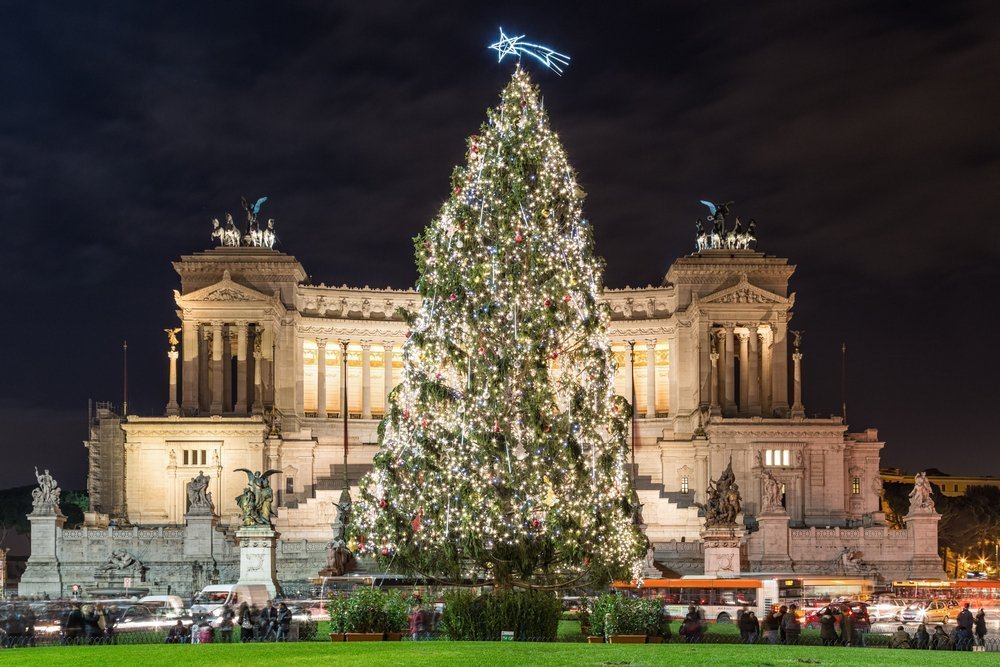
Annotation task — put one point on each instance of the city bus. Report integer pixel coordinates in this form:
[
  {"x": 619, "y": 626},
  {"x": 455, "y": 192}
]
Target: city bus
[{"x": 718, "y": 599}]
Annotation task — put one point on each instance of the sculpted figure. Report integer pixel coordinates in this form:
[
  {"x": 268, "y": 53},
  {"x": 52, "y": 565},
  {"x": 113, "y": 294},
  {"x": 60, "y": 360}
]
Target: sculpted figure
[
  {"x": 922, "y": 495},
  {"x": 46, "y": 496},
  {"x": 256, "y": 501},
  {"x": 723, "y": 503},
  {"x": 770, "y": 491},
  {"x": 197, "y": 491},
  {"x": 268, "y": 236},
  {"x": 218, "y": 233},
  {"x": 231, "y": 235}
]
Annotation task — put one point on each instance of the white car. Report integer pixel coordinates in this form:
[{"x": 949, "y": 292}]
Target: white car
[{"x": 886, "y": 609}]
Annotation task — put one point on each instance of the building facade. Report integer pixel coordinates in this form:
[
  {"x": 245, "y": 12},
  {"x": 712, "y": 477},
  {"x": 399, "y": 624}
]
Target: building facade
[{"x": 275, "y": 373}]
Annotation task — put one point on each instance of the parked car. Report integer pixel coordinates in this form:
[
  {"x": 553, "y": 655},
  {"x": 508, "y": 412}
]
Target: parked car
[
  {"x": 925, "y": 611},
  {"x": 859, "y": 610}
]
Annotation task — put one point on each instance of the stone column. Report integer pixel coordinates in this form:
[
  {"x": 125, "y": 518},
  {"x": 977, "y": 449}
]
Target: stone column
[
  {"x": 630, "y": 375},
  {"x": 190, "y": 368},
  {"x": 344, "y": 407},
  {"x": 204, "y": 369},
  {"x": 766, "y": 362},
  {"x": 258, "y": 359},
  {"x": 227, "y": 368},
  {"x": 798, "y": 410},
  {"x": 650, "y": 379},
  {"x": 240, "y": 407},
  {"x": 713, "y": 407},
  {"x": 366, "y": 380},
  {"x": 753, "y": 371},
  {"x": 779, "y": 376},
  {"x": 701, "y": 476},
  {"x": 321, "y": 378},
  {"x": 216, "y": 406},
  {"x": 172, "y": 407},
  {"x": 729, "y": 373},
  {"x": 744, "y": 339},
  {"x": 387, "y": 372}
]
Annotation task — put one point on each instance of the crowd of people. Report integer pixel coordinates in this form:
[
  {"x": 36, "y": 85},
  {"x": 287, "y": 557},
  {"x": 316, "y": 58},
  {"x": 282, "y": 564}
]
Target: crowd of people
[{"x": 969, "y": 631}]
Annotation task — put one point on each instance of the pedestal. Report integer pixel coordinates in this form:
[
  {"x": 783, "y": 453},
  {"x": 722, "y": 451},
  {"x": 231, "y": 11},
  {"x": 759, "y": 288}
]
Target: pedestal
[
  {"x": 772, "y": 538},
  {"x": 43, "y": 574},
  {"x": 257, "y": 557},
  {"x": 199, "y": 533},
  {"x": 923, "y": 529},
  {"x": 722, "y": 550}
]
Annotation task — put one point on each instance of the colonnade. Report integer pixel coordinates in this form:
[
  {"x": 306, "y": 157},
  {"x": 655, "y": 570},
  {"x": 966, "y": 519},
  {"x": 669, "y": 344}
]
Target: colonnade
[
  {"x": 749, "y": 369},
  {"x": 642, "y": 350},
  {"x": 209, "y": 349},
  {"x": 322, "y": 408}
]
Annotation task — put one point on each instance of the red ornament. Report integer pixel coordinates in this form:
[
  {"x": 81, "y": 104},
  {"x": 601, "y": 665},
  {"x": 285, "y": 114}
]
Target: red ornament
[
  {"x": 566, "y": 298},
  {"x": 548, "y": 303},
  {"x": 536, "y": 523},
  {"x": 452, "y": 297},
  {"x": 425, "y": 423},
  {"x": 458, "y": 190},
  {"x": 381, "y": 502},
  {"x": 406, "y": 414},
  {"x": 547, "y": 428},
  {"x": 409, "y": 333},
  {"x": 518, "y": 238},
  {"x": 385, "y": 551},
  {"x": 482, "y": 350},
  {"x": 415, "y": 524},
  {"x": 496, "y": 425},
  {"x": 555, "y": 355},
  {"x": 420, "y": 476}
]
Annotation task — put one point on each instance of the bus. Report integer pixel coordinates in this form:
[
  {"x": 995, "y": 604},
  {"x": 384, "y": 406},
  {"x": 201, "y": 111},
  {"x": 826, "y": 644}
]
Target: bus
[{"x": 718, "y": 599}]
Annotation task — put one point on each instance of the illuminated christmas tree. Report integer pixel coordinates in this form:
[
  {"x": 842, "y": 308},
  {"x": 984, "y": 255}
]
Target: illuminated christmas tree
[{"x": 504, "y": 453}]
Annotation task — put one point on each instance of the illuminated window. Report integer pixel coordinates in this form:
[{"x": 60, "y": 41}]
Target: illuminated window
[
  {"x": 784, "y": 457},
  {"x": 856, "y": 485},
  {"x": 777, "y": 457},
  {"x": 684, "y": 484},
  {"x": 768, "y": 458}
]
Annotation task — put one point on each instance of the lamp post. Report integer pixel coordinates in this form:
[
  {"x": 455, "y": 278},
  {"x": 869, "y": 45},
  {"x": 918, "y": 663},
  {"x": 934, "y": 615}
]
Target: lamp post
[{"x": 3, "y": 572}]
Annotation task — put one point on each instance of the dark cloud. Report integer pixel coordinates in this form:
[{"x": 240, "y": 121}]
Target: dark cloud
[{"x": 859, "y": 135}]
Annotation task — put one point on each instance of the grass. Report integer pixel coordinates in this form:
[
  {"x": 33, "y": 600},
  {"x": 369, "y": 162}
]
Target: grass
[{"x": 391, "y": 654}]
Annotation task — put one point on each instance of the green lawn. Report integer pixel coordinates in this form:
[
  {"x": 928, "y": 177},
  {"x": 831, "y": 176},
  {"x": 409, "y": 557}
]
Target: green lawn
[{"x": 482, "y": 653}]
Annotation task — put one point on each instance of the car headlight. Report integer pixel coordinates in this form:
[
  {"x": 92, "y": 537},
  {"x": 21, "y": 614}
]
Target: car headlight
[{"x": 218, "y": 611}]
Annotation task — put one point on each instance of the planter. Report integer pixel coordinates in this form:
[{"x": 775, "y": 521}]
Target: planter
[
  {"x": 627, "y": 639},
  {"x": 393, "y": 636},
  {"x": 595, "y": 639},
  {"x": 654, "y": 639},
  {"x": 336, "y": 636},
  {"x": 365, "y": 636}
]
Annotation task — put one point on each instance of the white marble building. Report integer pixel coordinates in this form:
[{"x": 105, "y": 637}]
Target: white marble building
[{"x": 267, "y": 366}]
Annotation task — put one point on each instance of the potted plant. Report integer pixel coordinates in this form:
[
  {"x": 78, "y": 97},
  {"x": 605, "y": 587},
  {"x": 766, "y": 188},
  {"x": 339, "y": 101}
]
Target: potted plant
[
  {"x": 366, "y": 616},
  {"x": 624, "y": 620},
  {"x": 336, "y": 606},
  {"x": 397, "y": 616}
]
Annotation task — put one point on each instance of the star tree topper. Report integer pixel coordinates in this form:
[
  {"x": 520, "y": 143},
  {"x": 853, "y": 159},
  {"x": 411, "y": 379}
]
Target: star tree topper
[{"x": 516, "y": 46}]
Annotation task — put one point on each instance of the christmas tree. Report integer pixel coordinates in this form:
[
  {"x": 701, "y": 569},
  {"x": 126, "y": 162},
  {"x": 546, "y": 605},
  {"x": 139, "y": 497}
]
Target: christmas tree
[{"x": 504, "y": 452}]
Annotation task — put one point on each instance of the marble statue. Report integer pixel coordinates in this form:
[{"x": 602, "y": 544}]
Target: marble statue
[
  {"x": 721, "y": 238},
  {"x": 770, "y": 491},
  {"x": 723, "y": 504},
  {"x": 231, "y": 235},
  {"x": 339, "y": 557},
  {"x": 922, "y": 495},
  {"x": 199, "y": 497},
  {"x": 46, "y": 496},
  {"x": 256, "y": 501},
  {"x": 218, "y": 233},
  {"x": 851, "y": 562},
  {"x": 796, "y": 340},
  {"x": 121, "y": 560},
  {"x": 268, "y": 236}
]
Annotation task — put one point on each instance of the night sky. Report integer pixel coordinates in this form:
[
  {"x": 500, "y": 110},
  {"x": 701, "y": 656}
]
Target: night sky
[{"x": 862, "y": 136}]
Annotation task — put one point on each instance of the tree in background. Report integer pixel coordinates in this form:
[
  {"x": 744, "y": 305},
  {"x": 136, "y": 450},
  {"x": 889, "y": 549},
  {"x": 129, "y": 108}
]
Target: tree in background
[{"x": 504, "y": 453}]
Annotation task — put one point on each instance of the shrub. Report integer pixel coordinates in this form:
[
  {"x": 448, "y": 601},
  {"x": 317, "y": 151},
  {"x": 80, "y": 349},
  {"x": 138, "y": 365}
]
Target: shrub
[
  {"x": 615, "y": 614},
  {"x": 336, "y": 606},
  {"x": 531, "y": 615},
  {"x": 368, "y": 610},
  {"x": 307, "y": 630}
]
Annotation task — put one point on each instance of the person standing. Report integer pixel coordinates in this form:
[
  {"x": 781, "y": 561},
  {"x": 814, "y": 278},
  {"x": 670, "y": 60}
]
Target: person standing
[
  {"x": 226, "y": 625},
  {"x": 749, "y": 627},
  {"x": 980, "y": 626},
  {"x": 246, "y": 621},
  {"x": 283, "y": 622},
  {"x": 847, "y": 629},
  {"x": 828, "y": 628},
  {"x": 772, "y": 625},
  {"x": 963, "y": 634},
  {"x": 790, "y": 625}
]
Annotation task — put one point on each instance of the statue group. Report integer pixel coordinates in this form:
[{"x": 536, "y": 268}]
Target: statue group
[
  {"x": 723, "y": 505},
  {"x": 720, "y": 238},
  {"x": 922, "y": 495},
  {"x": 770, "y": 492},
  {"x": 199, "y": 497},
  {"x": 46, "y": 497},
  {"x": 255, "y": 237},
  {"x": 256, "y": 503}
]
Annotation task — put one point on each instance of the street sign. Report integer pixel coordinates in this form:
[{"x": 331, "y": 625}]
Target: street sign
[
  {"x": 506, "y": 635},
  {"x": 127, "y": 582}
]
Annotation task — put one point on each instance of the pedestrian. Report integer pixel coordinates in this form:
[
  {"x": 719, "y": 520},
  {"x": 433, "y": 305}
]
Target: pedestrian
[
  {"x": 29, "y": 625},
  {"x": 72, "y": 629},
  {"x": 226, "y": 625},
  {"x": 416, "y": 623},
  {"x": 828, "y": 628},
  {"x": 267, "y": 622},
  {"x": 178, "y": 634},
  {"x": 939, "y": 640},
  {"x": 921, "y": 639},
  {"x": 283, "y": 622},
  {"x": 246, "y": 618},
  {"x": 91, "y": 624},
  {"x": 980, "y": 626},
  {"x": 103, "y": 624},
  {"x": 691, "y": 627},
  {"x": 772, "y": 626},
  {"x": 848, "y": 637},
  {"x": 749, "y": 627},
  {"x": 899, "y": 639},
  {"x": 790, "y": 625}
]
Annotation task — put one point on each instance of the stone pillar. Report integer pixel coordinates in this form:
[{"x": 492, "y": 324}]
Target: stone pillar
[
  {"x": 701, "y": 477},
  {"x": 650, "y": 379},
  {"x": 366, "y": 380},
  {"x": 199, "y": 531},
  {"x": 43, "y": 573},
  {"x": 766, "y": 363},
  {"x": 729, "y": 374},
  {"x": 713, "y": 408},
  {"x": 257, "y": 557},
  {"x": 798, "y": 410},
  {"x": 258, "y": 359},
  {"x": 722, "y": 550},
  {"x": 779, "y": 376},
  {"x": 216, "y": 406},
  {"x": 387, "y": 372},
  {"x": 204, "y": 369},
  {"x": 753, "y": 371},
  {"x": 744, "y": 339},
  {"x": 240, "y": 407},
  {"x": 227, "y": 368},
  {"x": 190, "y": 367},
  {"x": 344, "y": 407},
  {"x": 321, "y": 378},
  {"x": 172, "y": 407},
  {"x": 630, "y": 375},
  {"x": 769, "y": 545},
  {"x": 922, "y": 525}
]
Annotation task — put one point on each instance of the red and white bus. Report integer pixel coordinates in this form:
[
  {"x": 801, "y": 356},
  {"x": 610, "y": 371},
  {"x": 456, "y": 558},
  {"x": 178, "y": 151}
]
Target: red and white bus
[{"x": 718, "y": 599}]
